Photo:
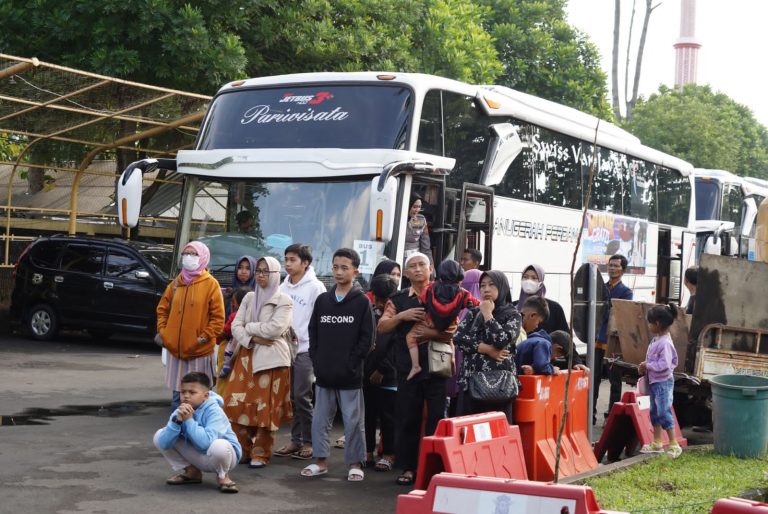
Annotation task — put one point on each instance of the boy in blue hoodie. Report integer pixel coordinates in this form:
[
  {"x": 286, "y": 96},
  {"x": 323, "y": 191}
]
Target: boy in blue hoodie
[
  {"x": 198, "y": 437},
  {"x": 534, "y": 355},
  {"x": 341, "y": 335}
]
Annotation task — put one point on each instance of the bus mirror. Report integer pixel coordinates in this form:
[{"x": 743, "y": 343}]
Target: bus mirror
[
  {"x": 713, "y": 245},
  {"x": 503, "y": 149},
  {"x": 748, "y": 215},
  {"x": 382, "y": 209},
  {"x": 129, "y": 196}
]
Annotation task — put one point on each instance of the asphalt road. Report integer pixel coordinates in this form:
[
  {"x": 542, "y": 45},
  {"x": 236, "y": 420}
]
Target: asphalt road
[{"x": 76, "y": 437}]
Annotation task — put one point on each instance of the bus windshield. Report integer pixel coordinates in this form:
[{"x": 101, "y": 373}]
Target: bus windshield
[
  {"x": 249, "y": 217},
  {"x": 707, "y": 200},
  {"x": 328, "y": 116}
]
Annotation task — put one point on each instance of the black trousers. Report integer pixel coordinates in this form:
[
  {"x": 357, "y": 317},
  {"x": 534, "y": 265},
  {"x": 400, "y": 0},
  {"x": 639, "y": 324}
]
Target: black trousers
[
  {"x": 614, "y": 376},
  {"x": 409, "y": 409},
  {"x": 379, "y": 411},
  {"x": 469, "y": 406}
]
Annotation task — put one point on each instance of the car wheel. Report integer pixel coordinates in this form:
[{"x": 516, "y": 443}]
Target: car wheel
[{"x": 43, "y": 323}]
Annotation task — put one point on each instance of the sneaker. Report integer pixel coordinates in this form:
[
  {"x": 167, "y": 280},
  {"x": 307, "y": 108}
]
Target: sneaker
[
  {"x": 653, "y": 447},
  {"x": 674, "y": 451}
]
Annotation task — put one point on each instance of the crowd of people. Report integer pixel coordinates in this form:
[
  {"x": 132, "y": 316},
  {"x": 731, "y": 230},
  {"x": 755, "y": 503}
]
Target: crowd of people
[{"x": 292, "y": 352}]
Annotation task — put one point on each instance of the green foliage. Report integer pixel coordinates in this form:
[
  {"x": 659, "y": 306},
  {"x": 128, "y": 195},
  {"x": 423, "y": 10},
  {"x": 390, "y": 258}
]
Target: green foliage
[
  {"x": 544, "y": 56},
  {"x": 172, "y": 43},
  {"x": 690, "y": 483},
  {"x": 708, "y": 129}
]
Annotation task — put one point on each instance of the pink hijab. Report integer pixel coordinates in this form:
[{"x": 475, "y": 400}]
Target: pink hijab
[
  {"x": 263, "y": 294},
  {"x": 205, "y": 257}
]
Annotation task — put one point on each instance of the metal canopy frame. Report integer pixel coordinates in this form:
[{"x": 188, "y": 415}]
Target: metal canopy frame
[{"x": 59, "y": 119}]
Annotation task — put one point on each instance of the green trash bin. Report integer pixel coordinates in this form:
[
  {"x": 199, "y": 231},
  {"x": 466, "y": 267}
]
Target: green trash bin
[{"x": 740, "y": 415}]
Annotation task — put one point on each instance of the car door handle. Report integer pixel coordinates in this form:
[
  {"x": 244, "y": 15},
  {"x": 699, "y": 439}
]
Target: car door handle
[
  {"x": 108, "y": 285},
  {"x": 58, "y": 279}
]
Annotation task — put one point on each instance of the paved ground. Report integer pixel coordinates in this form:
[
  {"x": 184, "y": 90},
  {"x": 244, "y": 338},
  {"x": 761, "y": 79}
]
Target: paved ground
[{"x": 97, "y": 405}]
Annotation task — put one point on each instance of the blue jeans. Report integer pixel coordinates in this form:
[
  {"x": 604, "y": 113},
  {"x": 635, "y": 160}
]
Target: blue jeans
[{"x": 661, "y": 404}]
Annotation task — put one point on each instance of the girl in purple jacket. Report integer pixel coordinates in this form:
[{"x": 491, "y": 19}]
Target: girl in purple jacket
[{"x": 660, "y": 362}]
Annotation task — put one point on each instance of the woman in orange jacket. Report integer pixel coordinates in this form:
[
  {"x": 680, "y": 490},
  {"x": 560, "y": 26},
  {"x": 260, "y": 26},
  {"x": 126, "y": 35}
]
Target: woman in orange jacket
[{"x": 189, "y": 317}]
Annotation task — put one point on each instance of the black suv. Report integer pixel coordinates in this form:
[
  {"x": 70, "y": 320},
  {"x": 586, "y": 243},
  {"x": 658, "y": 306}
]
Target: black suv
[{"x": 102, "y": 285}]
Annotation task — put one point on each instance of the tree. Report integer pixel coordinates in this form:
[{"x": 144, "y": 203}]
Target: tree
[
  {"x": 444, "y": 37},
  {"x": 708, "y": 129},
  {"x": 544, "y": 56},
  {"x": 629, "y": 102}
]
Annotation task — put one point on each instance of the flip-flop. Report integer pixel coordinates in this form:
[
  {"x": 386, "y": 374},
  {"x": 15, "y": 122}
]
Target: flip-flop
[
  {"x": 383, "y": 465},
  {"x": 257, "y": 464},
  {"x": 286, "y": 451},
  {"x": 404, "y": 479},
  {"x": 228, "y": 488},
  {"x": 313, "y": 470},
  {"x": 355, "y": 475},
  {"x": 182, "y": 479},
  {"x": 304, "y": 454}
]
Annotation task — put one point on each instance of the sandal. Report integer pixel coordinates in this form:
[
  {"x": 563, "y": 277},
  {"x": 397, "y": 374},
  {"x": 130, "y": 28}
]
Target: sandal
[
  {"x": 383, "y": 465},
  {"x": 339, "y": 443},
  {"x": 183, "y": 479},
  {"x": 313, "y": 470},
  {"x": 304, "y": 453},
  {"x": 355, "y": 475},
  {"x": 228, "y": 488},
  {"x": 287, "y": 451},
  {"x": 405, "y": 479},
  {"x": 257, "y": 464}
]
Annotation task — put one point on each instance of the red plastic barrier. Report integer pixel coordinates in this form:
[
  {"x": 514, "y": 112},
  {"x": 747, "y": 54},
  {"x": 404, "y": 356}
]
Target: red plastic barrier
[
  {"x": 459, "y": 494},
  {"x": 539, "y": 411},
  {"x": 628, "y": 427},
  {"x": 739, "y": 506},
  {"x": 481, "y": 444}
]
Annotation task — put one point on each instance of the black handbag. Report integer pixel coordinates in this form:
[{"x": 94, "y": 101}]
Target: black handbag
[{"x": 494, "y": 386}]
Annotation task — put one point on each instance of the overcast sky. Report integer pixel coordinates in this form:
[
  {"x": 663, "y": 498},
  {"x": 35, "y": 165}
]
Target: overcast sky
[{"x": 732, "y": 58}]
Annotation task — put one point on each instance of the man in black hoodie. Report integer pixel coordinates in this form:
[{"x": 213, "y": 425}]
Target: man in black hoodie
[{"x": 341, "y": 334}]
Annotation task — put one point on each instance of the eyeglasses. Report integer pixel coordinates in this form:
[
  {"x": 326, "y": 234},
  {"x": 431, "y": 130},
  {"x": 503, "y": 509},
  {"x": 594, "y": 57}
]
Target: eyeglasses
[{"x": 264, "y": 272}]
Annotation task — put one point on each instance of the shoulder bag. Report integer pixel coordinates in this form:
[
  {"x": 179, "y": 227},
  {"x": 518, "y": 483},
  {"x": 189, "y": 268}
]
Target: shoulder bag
[
  {"x": 493, "y": 386},
  {"x": 440, "y": 357}
]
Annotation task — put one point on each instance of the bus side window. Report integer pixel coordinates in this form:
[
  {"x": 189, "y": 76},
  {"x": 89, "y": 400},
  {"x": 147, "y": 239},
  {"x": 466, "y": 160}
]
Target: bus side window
[
  {"x": 431, "y": 124},
  {"x": 466, "y": 137}
]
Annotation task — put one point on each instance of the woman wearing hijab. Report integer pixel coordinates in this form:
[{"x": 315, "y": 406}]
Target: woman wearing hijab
[
  {"x": 487, "y": 336},
  {"x": 257, "y": 399},
  {"x": 385, "y": 267},
  {"x": 416, "y": 231},
  {"x": 245, "y": 276},
  {"x": 190, "y": 315},
  {"x": 471, "y": 283},
  {"x": 532, "y": 284}
]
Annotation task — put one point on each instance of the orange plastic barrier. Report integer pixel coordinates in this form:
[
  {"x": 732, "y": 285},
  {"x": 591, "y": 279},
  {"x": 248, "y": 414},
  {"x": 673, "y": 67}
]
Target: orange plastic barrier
[
  {"x": 459, "y": 494},
  {"x": 628, "y": 427},
  {"x": 539, "y": 411},
  {"x": 739, "y": 506},
  {"x": 480, "y": 444}
]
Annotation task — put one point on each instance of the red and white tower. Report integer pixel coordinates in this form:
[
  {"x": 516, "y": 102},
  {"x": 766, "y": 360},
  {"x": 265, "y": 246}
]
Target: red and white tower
[{"x": 686, "y": 47}]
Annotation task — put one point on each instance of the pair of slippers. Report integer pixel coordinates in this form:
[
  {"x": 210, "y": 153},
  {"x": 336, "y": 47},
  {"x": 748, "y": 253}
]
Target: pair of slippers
[
  {"x": 294, "y": 453},
  {"x": 313, "y": 470},
  {"x": 184, "y": 479}
]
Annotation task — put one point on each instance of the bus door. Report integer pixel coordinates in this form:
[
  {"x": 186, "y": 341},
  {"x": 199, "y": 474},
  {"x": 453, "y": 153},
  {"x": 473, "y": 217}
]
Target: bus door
[
  {"x": 475, "y": 229},
  {"x": 432, "y": 193},
  {"x": 689, "y": 257},
  {"x": 667, "y": 269}
]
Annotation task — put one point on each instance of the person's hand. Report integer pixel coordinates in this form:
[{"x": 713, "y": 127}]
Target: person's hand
[
  {"x": 581, "y": 367},
  {"x": 526, "y": 369},
  {"x": 414, "y": 314},
  {"x": 556, "y": 370},
  {"x": 202, "y": 340},
  {"x": 376, "y": 377},
  {"x": 486, "y": 308},
  {"x": 493, "y": 352},
  {"x": 262, "y": 341},
  {"x": 184, "y": 412},
  {"x": 642, "y": 368}
]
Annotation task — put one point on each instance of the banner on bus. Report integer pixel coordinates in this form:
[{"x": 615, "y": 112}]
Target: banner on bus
[{"x": 605, "y": 234}]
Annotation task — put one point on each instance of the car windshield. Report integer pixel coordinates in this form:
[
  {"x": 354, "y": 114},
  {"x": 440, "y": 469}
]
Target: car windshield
[
  {"x": 256, "y": 218},
  {"x": 161, "y": 260}
]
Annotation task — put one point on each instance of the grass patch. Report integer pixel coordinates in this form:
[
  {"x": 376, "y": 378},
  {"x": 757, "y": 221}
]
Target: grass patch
[{"x": 690, "y": 483}]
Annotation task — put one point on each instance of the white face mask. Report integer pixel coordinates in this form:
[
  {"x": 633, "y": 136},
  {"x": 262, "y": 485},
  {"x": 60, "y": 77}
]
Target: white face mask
[
  {"x": 530, "y": 286},
  {"x": 190, "y": 262}
]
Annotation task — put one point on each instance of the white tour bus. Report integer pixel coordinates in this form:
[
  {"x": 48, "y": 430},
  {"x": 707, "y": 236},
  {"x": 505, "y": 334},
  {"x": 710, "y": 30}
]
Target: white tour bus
[
  {"x": 726, "y": 211},
  {"x": 332, "y": 159}
]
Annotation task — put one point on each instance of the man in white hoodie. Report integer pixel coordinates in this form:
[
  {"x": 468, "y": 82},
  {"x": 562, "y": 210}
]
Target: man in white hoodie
[{"x": 302, "y": 285}]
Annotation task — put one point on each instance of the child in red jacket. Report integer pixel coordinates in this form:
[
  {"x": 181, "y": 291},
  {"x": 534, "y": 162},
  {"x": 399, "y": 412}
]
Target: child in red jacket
[{"x": 226, "y": 334}]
